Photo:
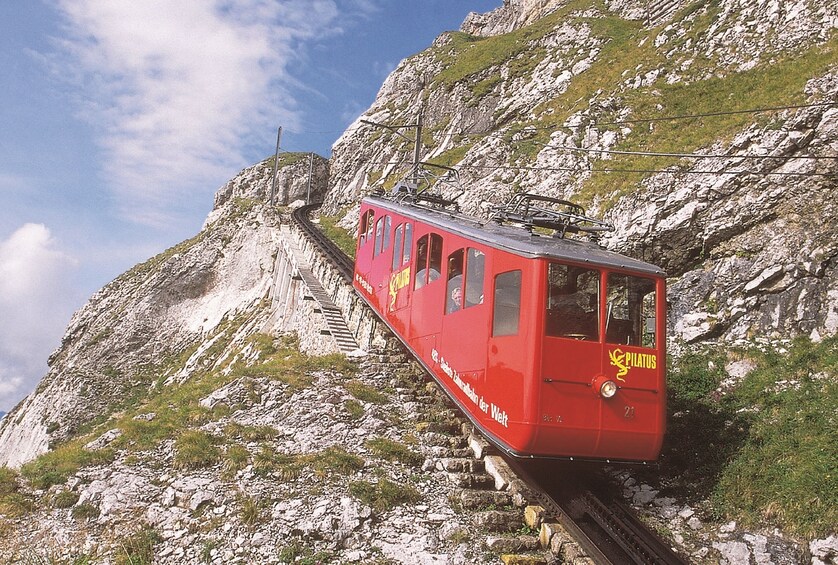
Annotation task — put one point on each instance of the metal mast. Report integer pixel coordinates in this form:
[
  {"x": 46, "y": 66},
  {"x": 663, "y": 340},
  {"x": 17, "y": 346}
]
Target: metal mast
[{"x": 276, "y": 167}]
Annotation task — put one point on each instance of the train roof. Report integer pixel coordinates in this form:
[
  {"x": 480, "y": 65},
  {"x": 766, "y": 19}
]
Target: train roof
[{"x": 517, "y": 240}]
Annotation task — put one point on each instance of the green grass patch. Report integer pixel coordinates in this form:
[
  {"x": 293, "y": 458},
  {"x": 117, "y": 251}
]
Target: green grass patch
[
  {"x": 250, "y": 433},
  {"x": 293, "y": 367},
  {"x": 365, "y": 392},
  {"x": 763, "y": 452},
  {"x": 64, "y": 499},
  {"x": 236, "y": 458},
  {"x": 354, "y": 408},
  {"x": 301, "y": 554},
  {"x": 13, "y": 503},
  {"x": 195, "y": 449},
  {"x": 334, "y": 461},
  {"x": 137, "y": 548},
  {"x": 85, "y": 511},
  {"x": 54, "y": 467},
  {"x": 250, "y": 511},
  {"x": 451, "y": 157},
  {"x": 392, "y": 450},
  {"x": 384, "y": 494},
  {"x": 330, "y": 462},
  {"x": 282, "y": 466},
  {"x": 344, "y": 240}
]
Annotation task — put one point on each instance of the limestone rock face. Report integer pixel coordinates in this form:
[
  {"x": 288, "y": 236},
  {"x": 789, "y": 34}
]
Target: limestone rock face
[
  {"x": 146, "y": 326},
  {"x": 293, "y": 181}
]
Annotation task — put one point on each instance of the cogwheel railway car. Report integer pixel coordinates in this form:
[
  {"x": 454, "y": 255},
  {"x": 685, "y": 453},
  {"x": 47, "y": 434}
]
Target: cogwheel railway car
[{"x": 552, "y": 346}]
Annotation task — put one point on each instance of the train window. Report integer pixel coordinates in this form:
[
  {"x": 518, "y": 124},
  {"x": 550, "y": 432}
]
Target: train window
[
  {"x": 630, "y": 318},
  {"x": 397, "y": 247},
  {"x": 408, "y": 233},
  {"x": 475, "y": 264},
  {"x": 401, "y": 247},
  {"x": 507, "y": 303},
  {"x": 572, "y": 302},
  {"x": 454, "y": 289},
  {"x": 366, "y": 226},
  {"x": 386, "y": 244},
  {"x": 379, "y": 229},
  {"x": 382, "y": 235},
  {"x": 428, "y": 259}
]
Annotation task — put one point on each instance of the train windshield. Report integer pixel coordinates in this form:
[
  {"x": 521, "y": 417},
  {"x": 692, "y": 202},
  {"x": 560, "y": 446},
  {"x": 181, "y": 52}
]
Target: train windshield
[
  {"x": 572, "y": 302},
  {"x": 630, "y": 318}
]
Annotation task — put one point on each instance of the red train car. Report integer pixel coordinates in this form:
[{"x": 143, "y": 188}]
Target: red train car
[{"x": 552, "y": 346}]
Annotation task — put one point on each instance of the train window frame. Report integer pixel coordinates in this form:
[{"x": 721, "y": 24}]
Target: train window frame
[
  {"x": 365, "y": 229},
  {"x": 638, "y": 326},
  {"x": 572, "y": 302},
  {"x": 428, "y": 260},
  {"x": 474, "y": 288},
  {"x": 465, "y": 276},
  {"x": 502, "y": 319},
  {"x": 454, "y": 276},
  {"x": 382, "y": 235},
  {"x": 379, "y": 225},
  {"x": 398, "y": 247},
  {"x": 408, "y": 240},
  {"x": 402, "y": 245}
]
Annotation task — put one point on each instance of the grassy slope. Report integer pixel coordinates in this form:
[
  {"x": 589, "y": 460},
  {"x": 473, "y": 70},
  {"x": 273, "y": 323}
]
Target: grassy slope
[{"x": 761, "y": 451}]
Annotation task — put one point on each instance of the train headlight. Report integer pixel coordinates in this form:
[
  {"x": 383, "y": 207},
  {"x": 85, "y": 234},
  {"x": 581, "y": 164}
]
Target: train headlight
[
  {"x": 608, "y": 389},
  {"x": 604, "y": 386}
]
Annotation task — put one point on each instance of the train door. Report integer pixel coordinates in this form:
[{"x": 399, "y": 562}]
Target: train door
[
  {"x": 428, "y": 294},
  {"x": 569, "y": 412},
  {"x": 510, "y": 350},
  {"x": 633, "y": 419},
  {"x": 462, "y": 344},
  {"x": 380, "y": 270},
  {"x": 398, "y": 287},
  {"x": 363, "y": 252}
]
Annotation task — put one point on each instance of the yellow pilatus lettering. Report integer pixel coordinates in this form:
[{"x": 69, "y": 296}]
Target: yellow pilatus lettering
[{"x": 628, "y": 360}]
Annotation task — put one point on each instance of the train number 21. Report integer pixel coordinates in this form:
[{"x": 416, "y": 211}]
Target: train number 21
[{"x": 629, "y": 413}]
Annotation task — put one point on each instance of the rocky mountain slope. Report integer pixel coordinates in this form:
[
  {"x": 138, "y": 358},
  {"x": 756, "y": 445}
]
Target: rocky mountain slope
[
  {"x": 549, "y": 97},
  {"x": 176, "y": 417}
]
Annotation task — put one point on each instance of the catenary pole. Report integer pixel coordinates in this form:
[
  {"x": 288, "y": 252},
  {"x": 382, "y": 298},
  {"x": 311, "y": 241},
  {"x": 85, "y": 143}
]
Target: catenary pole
[
  {"x": 310, "y": 167},
  {"x": 276, "y": 167}
]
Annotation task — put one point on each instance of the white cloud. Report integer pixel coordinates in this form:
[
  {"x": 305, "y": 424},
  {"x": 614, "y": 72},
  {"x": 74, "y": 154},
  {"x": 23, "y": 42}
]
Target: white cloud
[
  {"x": 34, "y": 292},
  {"x": 176, "y": 89}
]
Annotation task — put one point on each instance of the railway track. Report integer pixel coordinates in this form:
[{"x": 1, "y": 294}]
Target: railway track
[{"x": 573, "y": 494}]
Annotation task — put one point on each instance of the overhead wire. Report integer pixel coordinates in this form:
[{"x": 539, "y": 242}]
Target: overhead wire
[
  {"x": 640, "y": 153},
  {"x": 614, "y": 170}
]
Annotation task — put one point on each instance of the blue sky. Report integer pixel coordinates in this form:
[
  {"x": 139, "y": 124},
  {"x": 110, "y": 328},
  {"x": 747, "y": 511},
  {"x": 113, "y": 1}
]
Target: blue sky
[{"x": 120, "y": 118}]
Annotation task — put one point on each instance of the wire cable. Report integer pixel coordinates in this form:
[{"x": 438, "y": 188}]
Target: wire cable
[{"x": 679, "y": 155}]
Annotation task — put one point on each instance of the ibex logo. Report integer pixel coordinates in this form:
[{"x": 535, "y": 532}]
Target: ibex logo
[
  {"x": 628, "y": 360},
  {"x": 618, "y": 359}
]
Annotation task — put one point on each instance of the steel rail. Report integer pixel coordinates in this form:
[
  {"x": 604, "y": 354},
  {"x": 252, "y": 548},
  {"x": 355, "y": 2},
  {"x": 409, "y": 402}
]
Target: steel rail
[{"x": 342, "y": 262}]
